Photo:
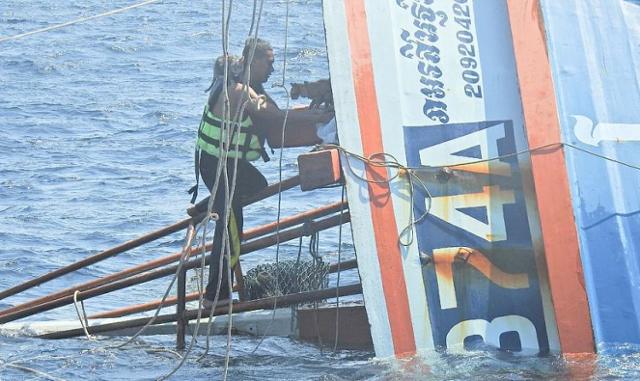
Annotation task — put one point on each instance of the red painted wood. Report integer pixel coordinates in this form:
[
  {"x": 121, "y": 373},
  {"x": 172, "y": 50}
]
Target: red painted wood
[
  {"x": 553, "y": 195},
  {"x": 383, "y": 218}
]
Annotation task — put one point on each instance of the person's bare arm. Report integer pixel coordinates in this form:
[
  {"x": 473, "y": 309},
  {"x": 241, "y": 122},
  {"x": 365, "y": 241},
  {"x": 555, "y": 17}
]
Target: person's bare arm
[{"x": 267, "y": 115}]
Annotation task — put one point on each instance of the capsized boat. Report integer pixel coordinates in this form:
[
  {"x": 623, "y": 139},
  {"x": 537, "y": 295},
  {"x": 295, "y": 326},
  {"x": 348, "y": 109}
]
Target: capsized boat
[
  {"x": 499, "y": 199},
  {"x": 490, "y": 152}
]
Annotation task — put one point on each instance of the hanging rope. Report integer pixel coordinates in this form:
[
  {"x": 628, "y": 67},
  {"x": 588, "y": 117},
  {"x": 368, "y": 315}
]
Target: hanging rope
[
  {"x": 284, "y": 126},
  {"x": 335, "y": 341},
  {"x": 81, "y": 316},
  {"x": 228, "y": 125},
  {"x": 185, "y": 255}
]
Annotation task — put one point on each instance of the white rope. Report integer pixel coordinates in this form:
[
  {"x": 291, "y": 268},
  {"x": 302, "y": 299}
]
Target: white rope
[
  {"x": 336, "y": 338},
  {"x": 81, "y": 316},
  {"x": 231, "y": 192},
  {"x": 185, "y": 255},
  {"x": 222, "y": 163},
  {"x": 284, "y": 125},
  {"x": 35, "y": 371},
  {"x": 228, "y": 126},
  {"x": 76, "y": 21}
]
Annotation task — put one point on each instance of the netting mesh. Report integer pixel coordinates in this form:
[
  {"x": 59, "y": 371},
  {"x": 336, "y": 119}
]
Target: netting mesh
[{"x": 285, "y": 277}]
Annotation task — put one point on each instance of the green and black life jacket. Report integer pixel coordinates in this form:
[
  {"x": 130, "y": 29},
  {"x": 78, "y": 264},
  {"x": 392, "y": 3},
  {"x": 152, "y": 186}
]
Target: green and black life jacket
[{"x": 246, "y": 142}]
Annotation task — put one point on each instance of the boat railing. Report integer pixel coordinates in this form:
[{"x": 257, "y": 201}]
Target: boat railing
[{"x": 254, "y": 239}]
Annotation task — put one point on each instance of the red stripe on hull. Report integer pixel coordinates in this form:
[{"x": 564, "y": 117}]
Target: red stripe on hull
[
  {"x": 553, "y": 195},
  {"x": 383, "y": 218}
]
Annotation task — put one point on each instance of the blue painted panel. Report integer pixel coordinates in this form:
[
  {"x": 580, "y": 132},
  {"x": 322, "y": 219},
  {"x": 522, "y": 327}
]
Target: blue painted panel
[
  {"x": 594, "y": 53},
  {"x": 484, "y": 210}
]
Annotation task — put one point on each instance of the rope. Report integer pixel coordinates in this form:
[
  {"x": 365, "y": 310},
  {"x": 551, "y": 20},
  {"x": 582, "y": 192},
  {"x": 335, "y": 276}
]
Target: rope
[
  {"x": 223, "y": 161},
  {"x": 395, "y": 164},
  {"x": 412, "y": 173},
  {"x": 335, "y": 341},
  {"x": 77, "y": 21},
  {"x": 225, "y": 140},
  {"x": 186, "y": 254},
  {"x": 314, "y": 246},
  {"x": 284, "y": 125},
  {"x": 632, "y": 166},
  {"x": 82, "y": 317},
  {"x": 229, "y": 193},
  {"x": 228, "y": 197},
  {"x": 34, "y": 371},
  {"x": 184, "y": 357},
  {"x": 228, "y": 125}
]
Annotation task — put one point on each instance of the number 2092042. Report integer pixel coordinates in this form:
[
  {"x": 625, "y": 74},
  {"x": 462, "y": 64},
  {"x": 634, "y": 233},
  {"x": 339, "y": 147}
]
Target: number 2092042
[{"x": 467, "y": 49}]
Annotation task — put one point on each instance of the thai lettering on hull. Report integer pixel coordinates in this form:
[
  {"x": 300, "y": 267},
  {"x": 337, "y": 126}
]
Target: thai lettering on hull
[{"x": 430, "y": 30}]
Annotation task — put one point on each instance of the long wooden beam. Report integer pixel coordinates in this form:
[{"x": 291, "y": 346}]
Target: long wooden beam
[
  {"x": 293, "y": 233},
  {"x": 269, "y": 191},
  {"x": 294, "y": 220},
  {"x": 259, "y": 304},
  {"x": 97, "y": 258},
  {"x": 151, "y": 265}
]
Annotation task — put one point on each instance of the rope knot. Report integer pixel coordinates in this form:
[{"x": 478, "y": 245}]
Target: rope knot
[{"x": 308, "y": 228}]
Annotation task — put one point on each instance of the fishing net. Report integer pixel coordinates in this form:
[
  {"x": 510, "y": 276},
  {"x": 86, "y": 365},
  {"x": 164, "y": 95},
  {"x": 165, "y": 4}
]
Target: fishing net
[{"x": 285, "y": 277}]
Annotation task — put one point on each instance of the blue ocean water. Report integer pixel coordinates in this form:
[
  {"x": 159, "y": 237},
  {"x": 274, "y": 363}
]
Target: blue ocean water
[{"x": 97, "y": 130}]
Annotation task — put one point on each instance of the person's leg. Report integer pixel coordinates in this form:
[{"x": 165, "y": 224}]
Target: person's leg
[
  {"x": 208, "y": 168},
  {"x": 248, "y": 182}
]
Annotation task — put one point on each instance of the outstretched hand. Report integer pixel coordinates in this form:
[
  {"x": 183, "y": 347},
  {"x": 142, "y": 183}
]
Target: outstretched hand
[{"x": 322, "y": 115}]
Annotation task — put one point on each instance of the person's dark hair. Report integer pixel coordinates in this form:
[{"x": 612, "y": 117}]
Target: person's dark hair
[{"x": 262, "y": 47}]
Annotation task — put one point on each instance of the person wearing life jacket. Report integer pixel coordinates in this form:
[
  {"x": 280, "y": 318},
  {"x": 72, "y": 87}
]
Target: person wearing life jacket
[{"x": 260, "y": 116}]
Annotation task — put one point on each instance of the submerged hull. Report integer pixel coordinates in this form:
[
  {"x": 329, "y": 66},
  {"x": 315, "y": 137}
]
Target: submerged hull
[{"x": 496, "y": 232}]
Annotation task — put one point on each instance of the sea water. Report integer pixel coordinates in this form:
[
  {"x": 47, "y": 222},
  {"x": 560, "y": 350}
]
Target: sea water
[{"x": 97, "y": 129}]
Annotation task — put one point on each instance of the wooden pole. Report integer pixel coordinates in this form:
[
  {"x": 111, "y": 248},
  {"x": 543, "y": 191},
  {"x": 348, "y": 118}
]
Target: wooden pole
[
  {"x": 294, "y": 220},
  {"x": 343, "y": 266},
  {"x": 95, "y": 283},
  {"x": 293, "y": 233},
  {"x": 181, "y": 323},
  {"x": 101, "y": 290},
  {"x": 149, "y": 306},
  {"x": 269, "y": 191},
  {"x": 260, "y": 304},
  {"x": 96, "y": 258},
  {"x": 152, "y": 275}
]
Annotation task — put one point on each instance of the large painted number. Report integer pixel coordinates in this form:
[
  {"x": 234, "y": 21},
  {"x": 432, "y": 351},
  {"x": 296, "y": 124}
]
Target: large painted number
[
  {"x": 491, "y": 332},
  {"x": 443, "y": 260}
]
